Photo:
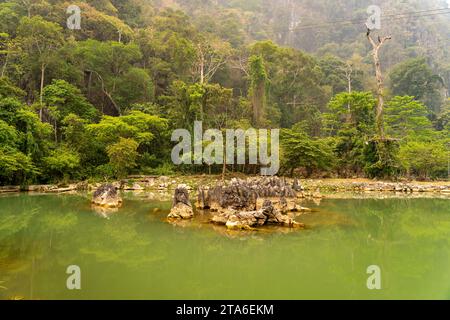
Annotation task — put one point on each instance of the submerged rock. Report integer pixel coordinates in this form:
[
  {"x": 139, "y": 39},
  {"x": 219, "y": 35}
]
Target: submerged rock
[
  {"x": 181, "y": 206},
  {"x": 106, "y": 196}
]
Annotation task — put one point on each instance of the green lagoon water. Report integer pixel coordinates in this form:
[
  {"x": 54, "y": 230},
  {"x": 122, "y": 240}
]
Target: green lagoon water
[{"x": 135, "y": 254}]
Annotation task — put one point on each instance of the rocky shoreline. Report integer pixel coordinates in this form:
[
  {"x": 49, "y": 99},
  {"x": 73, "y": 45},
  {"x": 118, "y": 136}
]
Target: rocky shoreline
[
  {"x": 242, "y": 204},
  {"x": 377, "y": 186},
  {"x": 246, "y": 204},
  {"x": 310, "y": 188}
]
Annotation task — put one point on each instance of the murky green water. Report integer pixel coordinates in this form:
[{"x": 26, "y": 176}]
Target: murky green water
[{"x": 135, "y": 254}]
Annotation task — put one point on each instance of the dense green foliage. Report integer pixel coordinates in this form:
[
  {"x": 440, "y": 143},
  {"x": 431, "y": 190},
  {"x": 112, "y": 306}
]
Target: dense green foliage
[{"x": 102, "y": 102}]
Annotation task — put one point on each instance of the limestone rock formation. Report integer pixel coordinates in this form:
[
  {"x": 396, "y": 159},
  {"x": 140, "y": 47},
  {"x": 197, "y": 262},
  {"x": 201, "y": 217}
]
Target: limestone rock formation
[
  {"x": 181, "y": 206},
  {"x": 245, "y": 204},
  {"x": 244, "y": 194},
  {"x": 247, "y": 220},
  {"x": 106, "y": 196}
]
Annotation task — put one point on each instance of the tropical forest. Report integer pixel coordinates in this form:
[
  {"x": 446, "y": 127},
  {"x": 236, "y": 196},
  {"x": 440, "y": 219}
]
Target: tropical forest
[{"x": 224, "y": 149}]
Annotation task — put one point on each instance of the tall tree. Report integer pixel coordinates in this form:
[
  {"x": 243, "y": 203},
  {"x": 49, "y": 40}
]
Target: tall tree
[
  {"x": 212, "y": 54},
  {"x": 258, "y": 78},
  {"x": 38, "y": 41},
  {"x": 376, "y": 46},
  {"x": 106, "y": 65},
  {"x": 415, "y": 78}
]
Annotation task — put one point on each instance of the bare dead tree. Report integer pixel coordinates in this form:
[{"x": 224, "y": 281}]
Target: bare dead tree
[
  {"x": 348, "y": 75},
  {"x": 27, "y": 4},
  {"x": 240, "y": 62},
  {"x": 376, "y": 46},
  {"x": 209, "y": 60},
  {"x": 105, "y": 92}
]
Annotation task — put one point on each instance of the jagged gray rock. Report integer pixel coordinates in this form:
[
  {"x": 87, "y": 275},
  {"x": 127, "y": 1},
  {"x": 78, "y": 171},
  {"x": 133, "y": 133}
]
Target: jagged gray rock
[
  {"x": 245, "y": 204},
  {"x": 181, "y": 206},
  {"x": 106, "y": 196},
  {"x": 247, "y": 220},
  {"x": 244, "y": 194}
]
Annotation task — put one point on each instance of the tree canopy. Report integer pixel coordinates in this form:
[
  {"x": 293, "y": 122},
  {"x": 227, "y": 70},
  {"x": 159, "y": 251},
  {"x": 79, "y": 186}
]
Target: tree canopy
[{"x": 103, "y": 101}]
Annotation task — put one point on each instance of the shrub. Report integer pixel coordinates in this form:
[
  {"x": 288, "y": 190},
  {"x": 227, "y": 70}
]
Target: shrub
[
  {"x": 424, "y": 159},
  {"x": 122, "y": 156}
]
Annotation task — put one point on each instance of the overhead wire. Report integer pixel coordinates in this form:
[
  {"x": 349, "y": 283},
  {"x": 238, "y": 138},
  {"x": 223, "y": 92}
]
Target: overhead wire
[{"x": 388, "y": 17}]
